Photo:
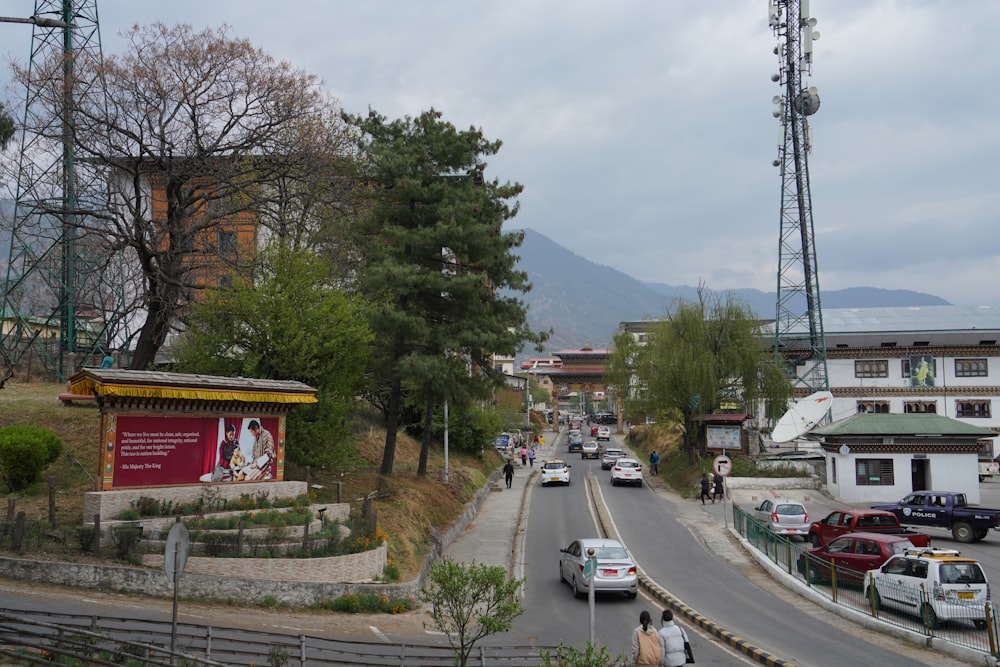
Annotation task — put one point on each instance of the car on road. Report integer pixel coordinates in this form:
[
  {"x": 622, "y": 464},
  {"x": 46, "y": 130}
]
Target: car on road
[
  {"x": 591, "y": 450},
  {"x": 626, "y": 471},
  {"x": 575, "y": 441},
  {"x": 615, "y": 570},
  {"x": 853, "y": 554},
  {"x": 784, "y": 516},
  {"x": 603, "y": 433},
  {"x": 555, "y": 471},
  {"x": 934, "y": 584},
  {"x": 611, "y": 454}
]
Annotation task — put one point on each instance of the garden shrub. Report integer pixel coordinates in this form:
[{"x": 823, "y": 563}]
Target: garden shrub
[{"x": 24, "y": 453}]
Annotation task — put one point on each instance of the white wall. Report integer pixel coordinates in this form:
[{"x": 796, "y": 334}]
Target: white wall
[{"x": 946, "y": 472}]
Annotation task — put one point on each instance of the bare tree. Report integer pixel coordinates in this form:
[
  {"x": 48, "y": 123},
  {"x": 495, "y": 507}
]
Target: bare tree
[{"x": 205, "y": 140}]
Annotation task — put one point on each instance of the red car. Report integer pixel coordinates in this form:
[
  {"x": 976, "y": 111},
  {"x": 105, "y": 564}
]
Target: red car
[{"x": 853, "y": 554}]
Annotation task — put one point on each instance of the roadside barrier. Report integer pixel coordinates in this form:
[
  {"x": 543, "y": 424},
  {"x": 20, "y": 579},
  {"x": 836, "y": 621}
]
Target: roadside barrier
[{"x": 972, "y": 625}]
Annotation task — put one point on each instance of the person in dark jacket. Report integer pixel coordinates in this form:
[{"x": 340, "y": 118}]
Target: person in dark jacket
[
  {"x": 705, "y": 489},
  {"x": 508, "y": 473},
  {"x": 720, "y": 489}
]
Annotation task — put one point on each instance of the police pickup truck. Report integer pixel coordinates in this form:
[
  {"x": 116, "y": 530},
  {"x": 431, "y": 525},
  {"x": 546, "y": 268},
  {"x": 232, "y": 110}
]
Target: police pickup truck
[{"x": 945, "y": 509}]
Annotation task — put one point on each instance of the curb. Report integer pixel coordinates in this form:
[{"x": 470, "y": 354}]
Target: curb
[{"x": 755, "y": 653}]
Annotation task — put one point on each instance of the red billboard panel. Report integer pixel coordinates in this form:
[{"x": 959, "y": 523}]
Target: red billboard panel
[{"x": 160, "y": 450}]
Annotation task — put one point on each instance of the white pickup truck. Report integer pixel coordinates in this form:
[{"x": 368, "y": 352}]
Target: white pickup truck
[{"x": 988, "y": 469}]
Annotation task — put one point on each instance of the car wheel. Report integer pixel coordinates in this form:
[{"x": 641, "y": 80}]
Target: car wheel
[
  {"x": 576, "y": 591},
  {"x": 929, "y": 616},
  {"x": 814, "y": 576},
  {"x": 814, "y": 540},
  {"x": 614, "y": 482},
  {"x": 962, "y": 532},
  {"x": 631, "y": 596},
  {"x": 562, "y": 577},
  {"x": 980, "y": 624},
  {"x": 639, "y": 483},
  {"x": 981, "y": 535},
  {"x": 877, "y": 601}
]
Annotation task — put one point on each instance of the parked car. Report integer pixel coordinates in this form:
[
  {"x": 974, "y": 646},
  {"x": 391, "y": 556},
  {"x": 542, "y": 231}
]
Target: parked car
[
  {"x": 945, "y": 509},
  {"x": 591, "y": 450},
  {"x": 603, "y": 433},
  {"x": 853, "y": 554},
  {"x": 841, "y": 522},
  {"x": 784, "y": 516},
  {"x": 611, "y": 454},
  {"x": 935, "y": 584},
  {"x": 616, "y": 572},
  {"x": 626, "y": 471},
  {"x": 555, "y": 471},
  {"x": 575, "y": 441}
]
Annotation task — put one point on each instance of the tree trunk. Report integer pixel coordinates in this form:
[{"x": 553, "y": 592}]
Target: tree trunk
[
  {"x": 391, "y": 424},
  {"x": 425, "y": 446},
  {"x": 152, "y": 335}
]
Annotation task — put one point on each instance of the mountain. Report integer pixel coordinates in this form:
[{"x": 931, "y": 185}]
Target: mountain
[{"x": 584, "y": 302}]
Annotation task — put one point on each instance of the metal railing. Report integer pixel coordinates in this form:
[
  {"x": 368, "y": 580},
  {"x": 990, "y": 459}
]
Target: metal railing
[
  {"x": 965, "y": 623},
  {"x": 32, "y": 637}
]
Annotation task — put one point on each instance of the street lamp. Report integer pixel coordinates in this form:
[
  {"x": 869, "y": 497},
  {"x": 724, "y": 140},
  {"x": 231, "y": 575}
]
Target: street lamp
[{"x": 40, "y": 21}]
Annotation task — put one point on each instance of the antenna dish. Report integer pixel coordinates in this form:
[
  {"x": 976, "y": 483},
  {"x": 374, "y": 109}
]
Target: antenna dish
[{"x": 802, "y": 416}]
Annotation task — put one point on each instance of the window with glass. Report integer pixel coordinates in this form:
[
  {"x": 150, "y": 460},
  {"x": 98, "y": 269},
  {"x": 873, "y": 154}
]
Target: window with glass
[
  {"x": 874, "y": 407},
  {"x": 920, "y": 407},
  {"x": 871, "y": 368},
  {"x": 874, "y": 472},
  {"x": 972, "y": 409},
  {"x": 971, "y": 368}
]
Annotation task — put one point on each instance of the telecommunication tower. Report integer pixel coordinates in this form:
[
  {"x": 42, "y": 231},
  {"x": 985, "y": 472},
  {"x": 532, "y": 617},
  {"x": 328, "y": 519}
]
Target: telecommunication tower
[
  {"x": 798, "y": 310},
  {"x": 62, "y": 300}
]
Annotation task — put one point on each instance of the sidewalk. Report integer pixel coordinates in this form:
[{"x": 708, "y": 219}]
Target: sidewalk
[{"x": 492, "y": 537}]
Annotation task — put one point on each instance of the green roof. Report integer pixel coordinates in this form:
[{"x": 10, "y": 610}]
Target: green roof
[{"x": 902, "y": 424}]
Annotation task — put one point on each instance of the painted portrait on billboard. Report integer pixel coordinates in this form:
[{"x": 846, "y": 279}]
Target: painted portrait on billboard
[{"x": 922, "y": 370}]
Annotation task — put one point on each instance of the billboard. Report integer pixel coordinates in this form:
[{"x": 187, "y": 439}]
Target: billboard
[
  {"x": 922, "y": 370},
  {"x": 153, "y": 450}
]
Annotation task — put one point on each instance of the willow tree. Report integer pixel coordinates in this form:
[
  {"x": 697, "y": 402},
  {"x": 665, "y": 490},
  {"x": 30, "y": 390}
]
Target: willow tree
[
  {"x": 703, "y": 355},
  {"x": 436, "y": 267}
]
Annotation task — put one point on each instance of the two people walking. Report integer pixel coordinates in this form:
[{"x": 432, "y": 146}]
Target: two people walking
[
  {"x": 668, "y": 647},
  {"x": 712, "y": 491}
]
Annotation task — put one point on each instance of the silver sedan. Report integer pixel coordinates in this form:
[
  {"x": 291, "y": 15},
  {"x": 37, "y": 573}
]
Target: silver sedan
[{"x": 615, "y": 571}]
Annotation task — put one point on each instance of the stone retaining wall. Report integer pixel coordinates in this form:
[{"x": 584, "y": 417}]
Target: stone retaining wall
[
  {"x": 242, "y": 580},
  {"x": 110, "y": 504}
]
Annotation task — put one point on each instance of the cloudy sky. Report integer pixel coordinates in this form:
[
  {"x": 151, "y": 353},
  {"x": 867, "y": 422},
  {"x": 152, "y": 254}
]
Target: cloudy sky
[{"x": 642, "y": 129}]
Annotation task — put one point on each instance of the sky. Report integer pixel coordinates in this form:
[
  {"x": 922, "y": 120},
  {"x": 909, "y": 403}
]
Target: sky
[{"x": 642, "y": 130}]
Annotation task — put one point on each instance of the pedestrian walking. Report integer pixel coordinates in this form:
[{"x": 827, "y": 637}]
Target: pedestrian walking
[
  {"x": 720, "y": 489},
  {"x": 646, "y": 648},
  {"x": 524, "y": 455},
  {"x": 531, "y": 457},
  {"x": 654, "y": 462},
  {"x": 508, "y": 473},
  {"x": 705, "y": 489},
  {"x": 674, "y": 642}
]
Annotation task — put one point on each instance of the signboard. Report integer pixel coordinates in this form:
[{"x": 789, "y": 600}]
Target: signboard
[
  {"x": 175, "y": 553},
  {"x": 722, "y": 465},
  {"x": 723, "y": 438},
  {"x": 148, "y": 450}
]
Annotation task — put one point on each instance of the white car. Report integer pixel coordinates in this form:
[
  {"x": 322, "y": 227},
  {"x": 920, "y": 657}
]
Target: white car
[
  {"x": 626, "y": 471},
  {"x": 555, "y": 471},
  {"x": 603, "y": 433},
  {"x": 934, "y": 584}
]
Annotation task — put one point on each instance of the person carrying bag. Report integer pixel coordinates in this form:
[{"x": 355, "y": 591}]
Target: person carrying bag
[
  {"x": 673, "y": 639},
  {"x": 646, "y": 643}
]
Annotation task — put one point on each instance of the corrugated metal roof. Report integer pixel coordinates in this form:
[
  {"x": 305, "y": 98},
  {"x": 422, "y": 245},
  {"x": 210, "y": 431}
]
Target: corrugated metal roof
[
  {"x": 901, "y": 424},
  {"x": 925, "y": 319}
]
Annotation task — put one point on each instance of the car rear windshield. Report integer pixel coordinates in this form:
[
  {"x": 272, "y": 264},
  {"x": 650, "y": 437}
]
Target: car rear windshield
[
  {"x": 627, "y": 464},
  {"x": 610, "y": 552},
  {"x": 789, "y": 509},
  {"x": 962, "y": 573}
]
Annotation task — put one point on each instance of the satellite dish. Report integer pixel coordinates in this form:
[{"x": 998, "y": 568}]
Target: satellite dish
[{"x": 802, "y": 416}]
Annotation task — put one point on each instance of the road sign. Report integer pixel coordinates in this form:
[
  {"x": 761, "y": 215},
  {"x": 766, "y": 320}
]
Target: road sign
[
  {"x": 175, "y": 554},
  {"x": 722, "y": 465}
]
